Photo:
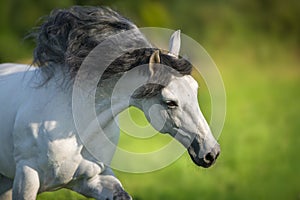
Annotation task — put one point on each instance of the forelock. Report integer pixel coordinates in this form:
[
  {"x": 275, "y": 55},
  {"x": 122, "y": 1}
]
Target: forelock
[{"x": 169, "y": 66}]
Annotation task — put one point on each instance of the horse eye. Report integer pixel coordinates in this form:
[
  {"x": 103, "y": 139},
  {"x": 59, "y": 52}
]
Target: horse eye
[{"x": 171, "y": 104}]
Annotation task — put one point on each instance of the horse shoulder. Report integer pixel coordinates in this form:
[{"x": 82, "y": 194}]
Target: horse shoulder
[
  {"x": 44, "y": 136},
  {"x": 12, "y": 81}
]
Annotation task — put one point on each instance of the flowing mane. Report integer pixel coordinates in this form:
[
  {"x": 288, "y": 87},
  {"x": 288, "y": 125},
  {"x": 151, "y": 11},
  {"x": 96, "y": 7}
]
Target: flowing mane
[{"x": 67, "y": 36}]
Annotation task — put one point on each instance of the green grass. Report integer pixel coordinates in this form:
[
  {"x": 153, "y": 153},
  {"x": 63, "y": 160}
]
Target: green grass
[{"x": 260, "y": 141}]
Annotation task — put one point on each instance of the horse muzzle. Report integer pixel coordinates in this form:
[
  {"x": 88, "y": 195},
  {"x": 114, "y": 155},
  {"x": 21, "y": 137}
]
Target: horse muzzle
[{"x": 208, "y": 159}]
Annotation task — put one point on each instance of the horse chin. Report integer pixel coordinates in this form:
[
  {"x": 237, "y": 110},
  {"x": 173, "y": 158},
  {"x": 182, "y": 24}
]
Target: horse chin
[{"x": 198, "y": 161}]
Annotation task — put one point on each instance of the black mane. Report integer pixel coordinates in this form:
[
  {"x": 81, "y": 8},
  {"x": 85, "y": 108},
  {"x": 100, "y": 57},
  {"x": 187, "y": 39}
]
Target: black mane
[{"x": 67, "y": 36}]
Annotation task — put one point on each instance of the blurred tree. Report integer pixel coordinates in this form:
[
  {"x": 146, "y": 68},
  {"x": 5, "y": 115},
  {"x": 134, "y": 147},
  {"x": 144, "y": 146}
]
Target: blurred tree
[{"x": 209, "y": 21}]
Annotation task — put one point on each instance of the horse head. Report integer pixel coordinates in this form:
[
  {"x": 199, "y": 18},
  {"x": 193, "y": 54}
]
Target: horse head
[{"x": 174, "y": 107}]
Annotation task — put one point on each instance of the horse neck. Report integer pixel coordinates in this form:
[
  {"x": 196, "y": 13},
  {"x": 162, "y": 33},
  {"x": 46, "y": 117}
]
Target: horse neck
[{"x": 116, "y": 96}]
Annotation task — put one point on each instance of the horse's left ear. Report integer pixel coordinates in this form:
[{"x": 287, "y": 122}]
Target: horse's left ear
[
  {"x": 174, "y": 45},
  {"x": 154, "y": 58}
]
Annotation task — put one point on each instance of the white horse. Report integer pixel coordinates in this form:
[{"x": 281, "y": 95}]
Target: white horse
[{"x": 40, "y": 149}]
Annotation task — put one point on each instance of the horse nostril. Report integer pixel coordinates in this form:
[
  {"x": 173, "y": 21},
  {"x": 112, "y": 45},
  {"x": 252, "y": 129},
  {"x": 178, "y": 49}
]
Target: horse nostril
[{"x": 209, "y": 158}]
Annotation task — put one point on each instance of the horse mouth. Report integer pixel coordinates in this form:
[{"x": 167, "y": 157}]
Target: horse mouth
[
  {"x": 208, "y": 159},
  {"x": 199, "y": 161}
]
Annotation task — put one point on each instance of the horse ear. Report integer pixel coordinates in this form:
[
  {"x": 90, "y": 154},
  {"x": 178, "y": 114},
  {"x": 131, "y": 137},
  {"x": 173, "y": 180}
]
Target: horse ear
[
  {"x": 174, "y": 45},
  {"x": 154, "y": 58}
]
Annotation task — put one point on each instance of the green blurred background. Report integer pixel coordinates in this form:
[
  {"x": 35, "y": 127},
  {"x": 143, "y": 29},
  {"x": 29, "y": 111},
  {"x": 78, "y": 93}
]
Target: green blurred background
[{"x": 256, "y": 45}]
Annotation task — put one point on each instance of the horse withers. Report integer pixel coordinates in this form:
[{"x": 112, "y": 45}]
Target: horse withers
[{"x": 40, "y": 148}]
